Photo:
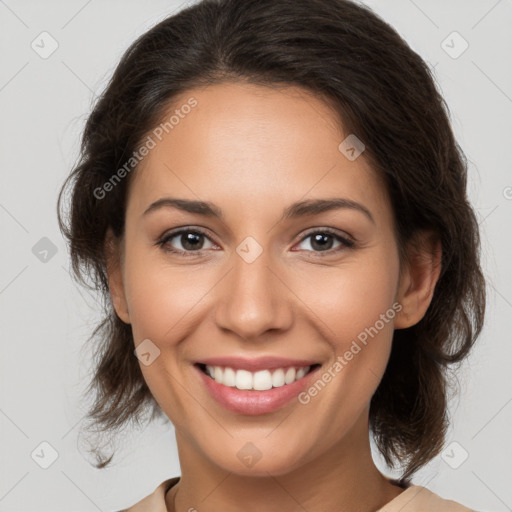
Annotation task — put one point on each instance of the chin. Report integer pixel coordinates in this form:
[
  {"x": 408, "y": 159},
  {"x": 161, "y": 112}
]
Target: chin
[{"x": 250, "y": 460}]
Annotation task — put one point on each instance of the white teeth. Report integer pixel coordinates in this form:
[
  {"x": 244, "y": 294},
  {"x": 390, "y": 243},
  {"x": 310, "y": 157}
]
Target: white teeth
[
  {"x": 243, "y": 379},
  {"x": 259, "y": 381},
  {"x": 229, "y": 377},
  {"x": 300, "y": 373},
  {"x": 289, "y": 376},
  {"x": 278, "y": 378},
  {"x": 262, "y": 380}
]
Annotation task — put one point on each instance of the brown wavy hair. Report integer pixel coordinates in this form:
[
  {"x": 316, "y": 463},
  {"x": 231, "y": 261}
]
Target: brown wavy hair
[{"x": 385, "y": 93}]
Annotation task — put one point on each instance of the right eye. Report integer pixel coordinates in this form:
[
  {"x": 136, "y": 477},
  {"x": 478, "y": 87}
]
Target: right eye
[{"x": 189, "y": 239}]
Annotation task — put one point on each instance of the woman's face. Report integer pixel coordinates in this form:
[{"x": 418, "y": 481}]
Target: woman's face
[{"x": 266, "y": 285}]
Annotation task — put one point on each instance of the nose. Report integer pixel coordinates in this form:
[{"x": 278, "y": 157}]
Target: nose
[{"x": 254, "y": 299}]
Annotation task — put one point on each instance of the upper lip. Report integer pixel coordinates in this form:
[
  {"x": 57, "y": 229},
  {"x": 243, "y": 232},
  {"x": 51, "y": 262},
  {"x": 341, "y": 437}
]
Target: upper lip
[{"x": 256, "y": 364}]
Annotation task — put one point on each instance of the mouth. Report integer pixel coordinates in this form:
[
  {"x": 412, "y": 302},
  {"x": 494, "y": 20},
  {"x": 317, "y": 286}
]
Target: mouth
[
  {"x": 261, "y": 380},
  {"x": 257, "y": 392}
]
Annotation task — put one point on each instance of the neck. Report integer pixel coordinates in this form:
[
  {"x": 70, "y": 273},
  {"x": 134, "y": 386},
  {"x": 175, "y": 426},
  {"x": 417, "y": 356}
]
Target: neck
[{"x": 344, "y": 478}]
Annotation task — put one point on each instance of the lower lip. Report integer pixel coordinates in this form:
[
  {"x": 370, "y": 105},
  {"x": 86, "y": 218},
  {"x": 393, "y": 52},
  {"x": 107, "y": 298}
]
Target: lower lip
[{"x": 253, "y": 402}]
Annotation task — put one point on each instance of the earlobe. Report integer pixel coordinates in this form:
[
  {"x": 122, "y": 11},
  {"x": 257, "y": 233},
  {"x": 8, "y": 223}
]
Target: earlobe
[
  {"x": 419, "y": 279},
  {"x": 112, "y": 250}
]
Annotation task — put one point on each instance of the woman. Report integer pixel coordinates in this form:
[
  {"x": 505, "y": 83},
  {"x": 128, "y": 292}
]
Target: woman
[{"x": 271, "y": 199}]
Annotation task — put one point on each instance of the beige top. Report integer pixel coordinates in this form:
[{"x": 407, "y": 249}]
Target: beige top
[{"x": 413, "y": 499}]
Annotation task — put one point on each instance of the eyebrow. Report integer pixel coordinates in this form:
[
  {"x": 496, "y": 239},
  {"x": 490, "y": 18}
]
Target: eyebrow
[{"x": 296, "y": 210}]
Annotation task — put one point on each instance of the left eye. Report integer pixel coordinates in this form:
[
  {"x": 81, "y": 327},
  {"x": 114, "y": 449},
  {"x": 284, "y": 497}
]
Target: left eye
[{"x": 322, "y": 241}]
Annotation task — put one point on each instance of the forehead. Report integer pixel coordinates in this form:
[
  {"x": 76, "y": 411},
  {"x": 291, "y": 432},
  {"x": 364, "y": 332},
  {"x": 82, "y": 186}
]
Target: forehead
[{"x": 252, "y": 147}]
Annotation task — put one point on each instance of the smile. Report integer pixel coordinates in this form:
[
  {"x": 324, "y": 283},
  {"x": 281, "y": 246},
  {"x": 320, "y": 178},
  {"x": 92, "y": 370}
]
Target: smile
[
  {"x": 258, "y": 381},
  {"x": 254, "y": 392}
]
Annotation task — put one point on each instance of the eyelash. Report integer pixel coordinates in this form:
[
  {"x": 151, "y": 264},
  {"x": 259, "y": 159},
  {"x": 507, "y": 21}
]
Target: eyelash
[{"x": 346, "y": 242}]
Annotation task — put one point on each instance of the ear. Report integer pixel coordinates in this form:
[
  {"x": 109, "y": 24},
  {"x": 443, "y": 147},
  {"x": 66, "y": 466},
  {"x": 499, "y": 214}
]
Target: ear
[
  {"x": 418, "y": 279},
  {"x": 113, "y": 259}
]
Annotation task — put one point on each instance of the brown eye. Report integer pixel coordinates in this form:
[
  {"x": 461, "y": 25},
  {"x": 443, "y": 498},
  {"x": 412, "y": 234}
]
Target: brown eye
[
  {"x": 191, "y": 242},
  {"x": 324, "y": 240}
]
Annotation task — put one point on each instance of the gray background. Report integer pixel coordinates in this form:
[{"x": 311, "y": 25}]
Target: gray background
[{"x": 46, "y": 319}]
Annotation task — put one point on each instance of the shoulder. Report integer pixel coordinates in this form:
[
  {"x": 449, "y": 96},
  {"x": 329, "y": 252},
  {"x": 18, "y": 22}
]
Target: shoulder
[
  {"x": 154, "y": 501},
  {"x": 419, "y": 499},
  {"x": 414, "y": 499}
]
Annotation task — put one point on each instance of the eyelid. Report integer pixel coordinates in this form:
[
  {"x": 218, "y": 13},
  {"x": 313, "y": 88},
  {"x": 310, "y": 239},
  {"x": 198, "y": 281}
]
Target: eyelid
[{"x": 331, "y": 231}]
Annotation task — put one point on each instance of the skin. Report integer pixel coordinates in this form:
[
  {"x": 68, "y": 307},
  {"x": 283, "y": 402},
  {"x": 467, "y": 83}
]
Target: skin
[{"x": 252, "y": 151}]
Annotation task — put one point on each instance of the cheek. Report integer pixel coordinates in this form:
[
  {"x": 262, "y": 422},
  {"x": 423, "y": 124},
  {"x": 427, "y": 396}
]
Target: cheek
[
  {"x": 356, "y": 310},
  {"x": 353, "y": 297},
  {"x": 157, "y": 303},
  {"x": 162, "y": 299}
]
